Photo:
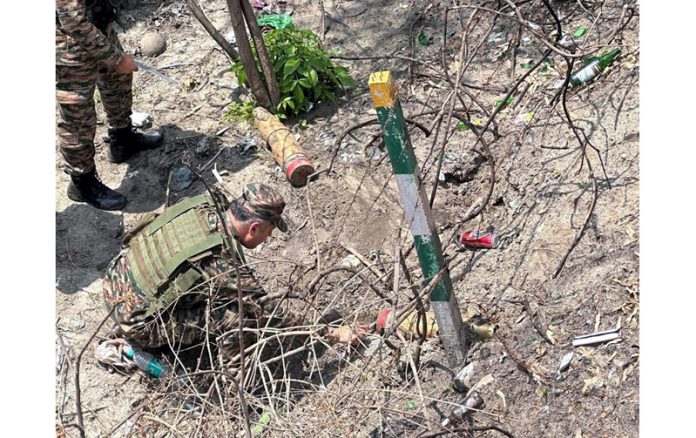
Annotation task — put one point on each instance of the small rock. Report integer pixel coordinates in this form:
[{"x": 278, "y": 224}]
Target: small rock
[
  {"x": 514, "y": 205},
  {"x": 74, "y": 325},
  {"x": 128, "y": 427},
  {"x": 351, "y": 261},
  {"x": 529, "y": 137},
  {"x": 497, "y": 37},
  {"x": 245, "y": 145},
  {"x": 189, "y": 83},
  {"x": 181, "y": 179},
  {"x": 564, "y": 364},
  {"x": 202, "y": 147},
  {"x": 153, "y": 44}
]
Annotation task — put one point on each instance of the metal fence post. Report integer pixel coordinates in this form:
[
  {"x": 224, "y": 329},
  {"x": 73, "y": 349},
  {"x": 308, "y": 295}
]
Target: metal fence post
[{"x": 418, "y": 214}]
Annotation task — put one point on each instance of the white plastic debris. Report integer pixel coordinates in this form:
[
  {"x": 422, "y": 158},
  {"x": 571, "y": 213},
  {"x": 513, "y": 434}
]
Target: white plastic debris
[
  {"x": 497, "y": 37},
  {"x": 564, "y": 364},
  {"x": 533, "y": 25},
  {"x": 348, "y": 157},
  {"x": 462, "y": 380},
  {"x": 566, "y": 41},
  {"x": 111, "y": 353},
  {"x": 558, "y": 84},
  {"x": 596, "y": 338},
  {"x": 128, "y": 427},
  {"x": 140, "y": 120},
  {"x": 60, "y": 356}
]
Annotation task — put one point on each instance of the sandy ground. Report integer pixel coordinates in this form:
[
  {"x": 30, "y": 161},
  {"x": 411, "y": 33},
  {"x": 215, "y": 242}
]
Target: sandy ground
[{"x": 541, "y": 198}]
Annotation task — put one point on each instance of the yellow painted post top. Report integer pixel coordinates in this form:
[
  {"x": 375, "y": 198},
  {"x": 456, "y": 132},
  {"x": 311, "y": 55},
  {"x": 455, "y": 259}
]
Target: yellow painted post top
[{"x": 382, "y": 89}]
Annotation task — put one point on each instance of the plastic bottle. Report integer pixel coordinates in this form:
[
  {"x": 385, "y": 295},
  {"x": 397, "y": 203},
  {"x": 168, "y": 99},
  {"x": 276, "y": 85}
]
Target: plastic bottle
[
  {"x": 148, "y": 363},
  {"x": 593, "y": 67},
  {"x": 473, "y": 401}
]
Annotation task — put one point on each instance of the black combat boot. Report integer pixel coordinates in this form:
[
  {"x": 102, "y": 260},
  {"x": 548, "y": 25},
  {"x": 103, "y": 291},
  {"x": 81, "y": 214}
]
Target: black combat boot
[
  {"x": 124, "y": 142},
  {"x": 89, "y": 188}
]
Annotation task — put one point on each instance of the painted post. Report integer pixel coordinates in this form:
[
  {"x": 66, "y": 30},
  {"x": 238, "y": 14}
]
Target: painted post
[{"x": 418, "y": 214}]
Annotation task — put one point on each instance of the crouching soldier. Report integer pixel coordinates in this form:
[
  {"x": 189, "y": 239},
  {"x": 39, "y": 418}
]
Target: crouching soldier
[{"x": 177, "y": 279}]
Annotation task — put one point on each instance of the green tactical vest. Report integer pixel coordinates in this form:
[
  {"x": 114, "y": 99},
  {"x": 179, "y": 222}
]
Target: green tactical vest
[{"x": 163, "y": 247}]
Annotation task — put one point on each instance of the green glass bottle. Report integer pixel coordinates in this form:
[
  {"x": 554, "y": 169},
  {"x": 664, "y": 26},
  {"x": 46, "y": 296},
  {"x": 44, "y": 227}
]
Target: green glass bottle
[{"x": 593, "y": 67}]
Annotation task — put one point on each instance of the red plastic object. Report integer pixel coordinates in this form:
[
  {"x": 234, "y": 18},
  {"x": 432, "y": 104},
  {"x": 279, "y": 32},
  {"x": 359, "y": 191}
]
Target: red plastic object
[{"x": 383, "y": 319}]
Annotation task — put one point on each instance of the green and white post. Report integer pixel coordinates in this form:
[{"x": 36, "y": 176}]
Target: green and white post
[{"x": 418, "y": 214}]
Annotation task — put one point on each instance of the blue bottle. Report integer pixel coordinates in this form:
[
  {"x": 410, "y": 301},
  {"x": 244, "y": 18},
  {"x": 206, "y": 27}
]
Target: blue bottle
[{"x": 147, "y": 362}]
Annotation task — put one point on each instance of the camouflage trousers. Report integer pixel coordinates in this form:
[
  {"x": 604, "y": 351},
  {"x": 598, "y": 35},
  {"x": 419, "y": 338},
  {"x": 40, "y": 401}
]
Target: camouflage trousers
[
  {"x": 190, "y": 320},
  {"x": 77, "y": 117}
]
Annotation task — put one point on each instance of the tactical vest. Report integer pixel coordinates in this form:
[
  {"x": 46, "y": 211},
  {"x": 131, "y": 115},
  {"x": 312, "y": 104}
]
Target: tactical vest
[{"x": 162, "y": 250}]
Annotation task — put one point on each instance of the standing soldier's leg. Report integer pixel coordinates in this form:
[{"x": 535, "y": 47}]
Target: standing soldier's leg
[
  {"x": 117, "y": 98},
  {"x": 77, "y": 123}
]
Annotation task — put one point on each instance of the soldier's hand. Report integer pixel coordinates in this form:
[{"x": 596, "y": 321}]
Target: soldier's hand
[
  {"x": 127, "y": 65},
  {"x": 347, "y": 335}
]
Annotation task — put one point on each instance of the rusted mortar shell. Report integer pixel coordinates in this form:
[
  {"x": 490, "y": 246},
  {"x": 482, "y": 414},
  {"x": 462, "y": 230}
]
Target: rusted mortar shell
[{"x": 286, "y": 152}]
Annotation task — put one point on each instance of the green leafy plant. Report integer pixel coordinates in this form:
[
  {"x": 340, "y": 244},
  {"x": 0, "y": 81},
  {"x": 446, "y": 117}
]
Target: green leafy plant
[
  {"x": 306, "y": 75},
  {"x": 239, "y": 112}
]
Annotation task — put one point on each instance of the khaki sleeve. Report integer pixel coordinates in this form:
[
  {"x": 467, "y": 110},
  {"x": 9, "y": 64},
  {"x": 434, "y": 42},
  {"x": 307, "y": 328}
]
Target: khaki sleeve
[{"x": 72, "y": 20}]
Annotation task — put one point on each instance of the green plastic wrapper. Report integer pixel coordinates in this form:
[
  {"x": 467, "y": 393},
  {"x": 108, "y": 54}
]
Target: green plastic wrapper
[
  {"x": 276, "y": 21},
  {"x": 423, "y": 38},
  {"x": 260, "y": 425},
  {"x": 507, "y": 101}
]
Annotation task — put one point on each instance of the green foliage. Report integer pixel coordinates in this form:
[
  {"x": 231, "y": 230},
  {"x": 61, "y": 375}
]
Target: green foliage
[
  {"x": 239, "y": 112},
  {"x": 306, "y": 75}
]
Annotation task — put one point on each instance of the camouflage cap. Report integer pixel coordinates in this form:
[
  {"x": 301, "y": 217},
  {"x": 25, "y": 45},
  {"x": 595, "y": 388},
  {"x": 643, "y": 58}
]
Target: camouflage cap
[{"x": 265, "y": 203}]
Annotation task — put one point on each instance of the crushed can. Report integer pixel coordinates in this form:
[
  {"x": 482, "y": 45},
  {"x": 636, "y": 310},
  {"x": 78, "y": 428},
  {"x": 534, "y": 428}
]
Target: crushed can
[{"x": 474, "y": 239}]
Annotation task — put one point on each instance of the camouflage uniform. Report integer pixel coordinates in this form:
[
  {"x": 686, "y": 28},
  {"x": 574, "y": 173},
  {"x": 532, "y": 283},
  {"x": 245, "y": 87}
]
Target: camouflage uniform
[
  {"x": 211, "y": 302},
  {"x": 87, "y": 57}
]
